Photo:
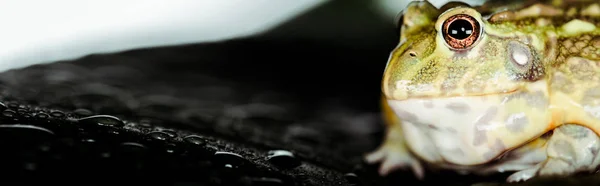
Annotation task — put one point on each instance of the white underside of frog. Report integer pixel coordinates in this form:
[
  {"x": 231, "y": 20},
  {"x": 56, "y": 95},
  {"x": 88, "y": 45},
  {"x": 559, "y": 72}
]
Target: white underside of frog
[{"x": 431, "y": 136}]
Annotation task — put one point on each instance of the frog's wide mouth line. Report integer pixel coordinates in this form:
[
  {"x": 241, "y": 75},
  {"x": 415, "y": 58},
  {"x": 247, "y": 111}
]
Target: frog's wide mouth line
[{"x": 431, "y": 97}]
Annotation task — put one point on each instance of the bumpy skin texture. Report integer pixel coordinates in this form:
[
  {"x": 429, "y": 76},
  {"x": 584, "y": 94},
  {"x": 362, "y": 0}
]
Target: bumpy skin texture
[{"x": 517, "y": 94}]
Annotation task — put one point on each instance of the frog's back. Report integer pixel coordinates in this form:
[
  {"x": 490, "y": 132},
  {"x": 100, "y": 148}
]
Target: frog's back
[{"x": 570, "y": 34}]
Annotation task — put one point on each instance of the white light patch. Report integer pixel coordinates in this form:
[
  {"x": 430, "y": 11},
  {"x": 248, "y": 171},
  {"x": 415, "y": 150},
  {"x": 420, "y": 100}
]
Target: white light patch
[{"x": 35, "y": 31}]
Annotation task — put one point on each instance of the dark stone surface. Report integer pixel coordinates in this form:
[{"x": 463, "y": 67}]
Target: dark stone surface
[{"x": 208, "y": 114}]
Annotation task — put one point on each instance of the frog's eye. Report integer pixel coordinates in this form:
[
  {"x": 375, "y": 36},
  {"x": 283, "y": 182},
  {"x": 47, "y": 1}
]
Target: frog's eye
[{"x": 460, "y": 31}]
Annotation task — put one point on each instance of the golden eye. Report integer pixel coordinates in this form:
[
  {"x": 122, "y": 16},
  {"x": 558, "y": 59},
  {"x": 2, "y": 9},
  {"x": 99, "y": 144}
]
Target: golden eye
[{"x": 460, "y": 31}]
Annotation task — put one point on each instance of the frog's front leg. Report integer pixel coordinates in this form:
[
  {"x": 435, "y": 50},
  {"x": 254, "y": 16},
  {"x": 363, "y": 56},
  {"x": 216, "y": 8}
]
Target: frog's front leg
[
  {"x": 394, "y": 153},
  {"x": 571, "y": 149}
]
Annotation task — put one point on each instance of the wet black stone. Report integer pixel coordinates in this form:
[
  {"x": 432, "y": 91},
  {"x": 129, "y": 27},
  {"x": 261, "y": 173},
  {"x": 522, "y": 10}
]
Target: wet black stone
[
  {"x": 194, "y": 139},
  {"x": 352, "y": 179},
  {"x": 132, "y": 157},
  {"x": 264, "y": 181},
  {"x": 228, "y": 160},
  {"x": 158, "y": 135},
  {"x": 102, "y": 120},
  {"x": 283, "y": 159},
  {"x": 83, "y": 112}
]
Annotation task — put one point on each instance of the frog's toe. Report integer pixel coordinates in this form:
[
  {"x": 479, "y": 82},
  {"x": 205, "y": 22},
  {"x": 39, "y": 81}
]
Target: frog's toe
[
  {"x": 523, "y": 175},
  {"x": 396, "y": 161},
  {"x": 393, "y": 159}
]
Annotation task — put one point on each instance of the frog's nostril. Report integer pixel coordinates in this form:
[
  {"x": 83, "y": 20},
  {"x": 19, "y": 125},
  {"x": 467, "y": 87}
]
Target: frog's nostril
[{"x": 412, "y": 54}]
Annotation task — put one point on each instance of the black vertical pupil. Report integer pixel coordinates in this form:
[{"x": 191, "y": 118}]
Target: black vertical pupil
[{"x": 460, "y": 29}]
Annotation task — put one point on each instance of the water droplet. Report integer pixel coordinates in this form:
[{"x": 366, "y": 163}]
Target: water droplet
[
  {"x": 3, "y": 106},
  {"x": 42, "y": 116},
  {"x": 57, "y": 114},
  {"x": 194, "y": 139},
  {"x": 228, "y": 159},
  {"x": 283, "y": 158},
  {"x": 103, "y": 120},
  {"x": 132, "y": 148},
  {"x": 9, "y": 113},
  {"x": 352, "y": 179},
  {"x": 145, "y": 123},
  {"x": 83, "y": 112},
  {"x": 13, "y": 105},
  {"x": 159, "y": 135},
  {"x": 171, "y": 148},
  {"x": 171, "y": 133},
  {"x": 26, "y": 116}
]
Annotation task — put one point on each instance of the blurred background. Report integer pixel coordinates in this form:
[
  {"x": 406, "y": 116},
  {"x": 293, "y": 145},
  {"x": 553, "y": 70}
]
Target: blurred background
[{"x": 35, "y": 31}]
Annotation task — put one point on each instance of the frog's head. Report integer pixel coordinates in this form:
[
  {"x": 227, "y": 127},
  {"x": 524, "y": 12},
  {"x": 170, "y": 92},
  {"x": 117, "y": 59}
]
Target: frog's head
[
  {"x": 454, "y": 51},
  {"x": 482, "y": 80}
]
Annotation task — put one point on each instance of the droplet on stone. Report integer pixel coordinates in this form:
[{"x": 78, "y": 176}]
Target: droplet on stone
[
  {"x": 9, "y": 113},
  {"x": 283, "y": 159},
  {"x": 158, "y": 135},
  {"x": 171, "y": 133},
  {"x": 83, "y": 112},
  {"x": 57, "y": 114},
  {"x": 352, "y": 179},
  {"x": 3, "y": 106},
  {"x": 20, "y": 134},
  {"x": 228, "y": 159},
  {"x": 103, "y": 120},
  {"x": 194, "y": 139}
]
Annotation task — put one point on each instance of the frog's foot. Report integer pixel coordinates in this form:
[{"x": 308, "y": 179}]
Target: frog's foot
[
  {"x": 393, "y": 154},
  {"x": 571, "y": 149}
]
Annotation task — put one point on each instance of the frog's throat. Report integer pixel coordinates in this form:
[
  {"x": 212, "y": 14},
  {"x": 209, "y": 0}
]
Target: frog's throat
[{"x": 471, "y": 130}]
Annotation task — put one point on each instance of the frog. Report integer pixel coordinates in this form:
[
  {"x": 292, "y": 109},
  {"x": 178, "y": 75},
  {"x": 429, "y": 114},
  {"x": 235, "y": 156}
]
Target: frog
[{"x": 502, "y": 87}]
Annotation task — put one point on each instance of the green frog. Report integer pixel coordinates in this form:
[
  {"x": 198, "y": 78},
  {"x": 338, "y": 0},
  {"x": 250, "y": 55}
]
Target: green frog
[{"x": 501, "y": 87}]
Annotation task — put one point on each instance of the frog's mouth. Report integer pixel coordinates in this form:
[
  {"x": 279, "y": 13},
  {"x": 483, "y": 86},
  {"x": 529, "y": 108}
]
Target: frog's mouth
[
  {"x": 404, "y": 90},
  {"x": 469, "y": 130}
]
